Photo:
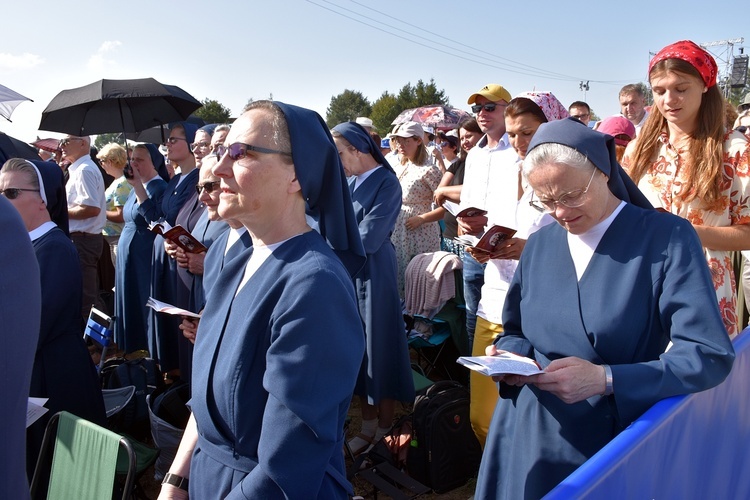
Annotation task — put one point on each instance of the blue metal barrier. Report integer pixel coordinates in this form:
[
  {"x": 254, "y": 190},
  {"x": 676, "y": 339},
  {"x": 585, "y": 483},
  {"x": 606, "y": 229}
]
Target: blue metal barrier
[{"x": 693, "y": 446}]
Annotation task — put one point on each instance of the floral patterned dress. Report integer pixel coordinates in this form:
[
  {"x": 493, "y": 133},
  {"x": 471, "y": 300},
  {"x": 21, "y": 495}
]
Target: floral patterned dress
[
  {"x": 417, "y": 185},
  {"x": 664, "y": 180}
]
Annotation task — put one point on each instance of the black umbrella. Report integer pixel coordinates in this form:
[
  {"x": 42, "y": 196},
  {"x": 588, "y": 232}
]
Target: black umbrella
[
  {"x": 159, "y": 134},
  {"x": 10, "y": 147},
  {"x": 110, "y": 106}
]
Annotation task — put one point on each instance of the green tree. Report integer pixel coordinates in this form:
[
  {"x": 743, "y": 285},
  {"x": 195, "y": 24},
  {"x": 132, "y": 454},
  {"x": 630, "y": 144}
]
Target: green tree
[
  {"x": 421, "y": 94},
  {"x": 213, "y": 112},
  {"x": 427, "y": 94},
  {"x": 347, "y": 106},
  {"x": 384, "y": 111},
  {"x": 104, "y": 139},
  {"x": 406, "y": 97},
  {"x": 647, "y": 92}
]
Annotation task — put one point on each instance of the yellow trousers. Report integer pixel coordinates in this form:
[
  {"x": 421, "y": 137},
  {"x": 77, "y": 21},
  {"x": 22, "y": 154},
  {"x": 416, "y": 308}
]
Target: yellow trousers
[{"x": 483, "y": 389}]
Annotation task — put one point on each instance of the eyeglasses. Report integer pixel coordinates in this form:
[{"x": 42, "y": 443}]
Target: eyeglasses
[
  {"x": 67, "y": 140},
  {"x": 173, "y": 140},
  {"x": 571, "y": 199},
  {"x": 401, "y": 140},
  {"x": 238, "y": 151},
  {"x": 200, "y": 145},
  {"x": 488, "y": 107},
  {"x": 208, "y": 186},
  {"x": 12, "y": 193}
]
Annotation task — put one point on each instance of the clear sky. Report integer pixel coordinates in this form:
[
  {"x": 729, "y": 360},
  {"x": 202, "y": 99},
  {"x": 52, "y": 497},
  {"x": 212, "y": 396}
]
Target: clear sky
[{"x": 306, "y": 51}]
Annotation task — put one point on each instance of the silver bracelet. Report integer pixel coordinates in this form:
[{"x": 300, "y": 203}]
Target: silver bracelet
[{"x": 608, "y": 380}]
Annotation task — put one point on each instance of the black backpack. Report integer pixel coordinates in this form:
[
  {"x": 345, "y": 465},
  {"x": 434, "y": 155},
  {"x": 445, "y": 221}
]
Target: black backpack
[
  {"x": 144, "y": 374},
  {"x": 444, "y": 451},
  {"x": 170, "y": 404}
]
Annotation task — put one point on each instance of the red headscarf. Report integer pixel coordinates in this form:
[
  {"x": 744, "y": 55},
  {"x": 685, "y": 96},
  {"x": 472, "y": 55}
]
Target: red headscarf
[{"x": 691, "y": 53}]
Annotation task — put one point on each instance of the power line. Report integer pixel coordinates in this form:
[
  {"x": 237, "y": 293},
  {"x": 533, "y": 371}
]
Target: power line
[{"x": 480, "y": 58}]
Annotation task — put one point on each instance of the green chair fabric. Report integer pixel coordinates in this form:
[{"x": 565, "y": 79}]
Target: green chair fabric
[{"x": 84, "y": 462}]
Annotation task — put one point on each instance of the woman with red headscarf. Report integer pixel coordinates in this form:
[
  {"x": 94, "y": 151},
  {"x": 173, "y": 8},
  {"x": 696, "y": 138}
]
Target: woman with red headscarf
[{"x": 687, "y": 163}]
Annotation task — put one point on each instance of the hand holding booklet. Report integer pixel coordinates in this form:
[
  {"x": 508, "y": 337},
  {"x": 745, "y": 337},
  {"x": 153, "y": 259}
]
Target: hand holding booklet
[
  {"x": 489, "y": 240},
  {"x": 506, "y": 363},
  {"x": 177, "y": 235},
  {"x": 453, "y": 208},
  {"x": 159, "y": 306}
]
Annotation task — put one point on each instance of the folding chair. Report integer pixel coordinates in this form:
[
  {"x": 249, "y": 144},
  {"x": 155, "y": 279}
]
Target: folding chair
[
  {"x": 444, "y": 329},
  {"x": 429, "y": 350},
  {"x": 84, "y": 463},
  {"x": 116, "y": 399},
  {"x": 99, "y": 329}
]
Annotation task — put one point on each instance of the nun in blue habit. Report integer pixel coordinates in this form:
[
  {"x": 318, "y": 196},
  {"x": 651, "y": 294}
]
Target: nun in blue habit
[
  {"x": 134, "y": 254},
  {"x": 63, "y": 370},
  {"x": 280, "y": 343},
  {"x": 596, "y": 300},
  {"x": 163, "y": 329},
  {"x": 385, "y": 376}
]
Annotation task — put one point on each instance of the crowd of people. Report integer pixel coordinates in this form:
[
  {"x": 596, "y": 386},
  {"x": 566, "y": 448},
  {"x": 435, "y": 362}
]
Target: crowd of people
[{"x": 619, "y": 280}]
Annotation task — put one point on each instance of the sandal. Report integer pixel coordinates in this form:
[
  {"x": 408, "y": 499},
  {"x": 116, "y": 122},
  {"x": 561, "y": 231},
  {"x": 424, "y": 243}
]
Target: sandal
[{"x": 361, "y": 448}]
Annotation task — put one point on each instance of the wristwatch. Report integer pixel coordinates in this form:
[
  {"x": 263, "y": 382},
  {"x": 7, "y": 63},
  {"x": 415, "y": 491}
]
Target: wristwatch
[
  {"x": 608, "y": 387},
  {"x": 176, "y": 481}
]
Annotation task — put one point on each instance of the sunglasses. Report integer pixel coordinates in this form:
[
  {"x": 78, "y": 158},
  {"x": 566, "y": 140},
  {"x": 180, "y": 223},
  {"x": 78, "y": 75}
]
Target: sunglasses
[
  {"x": 65, "y": 142},
  {"x": 173, "y": 140},
  {"x": 489, "y": 107},
  {"x": 238, "y": 151},
  {"x": 208, "y": 186},
  {"x": 12, "y": 193}
]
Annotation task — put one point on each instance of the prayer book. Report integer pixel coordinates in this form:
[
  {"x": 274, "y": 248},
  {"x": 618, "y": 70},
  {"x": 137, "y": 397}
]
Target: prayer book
[
  {"x": 489, "y": 240},
  {"x": 506, "y": 363},
  {"x": 177, "y": 235}
]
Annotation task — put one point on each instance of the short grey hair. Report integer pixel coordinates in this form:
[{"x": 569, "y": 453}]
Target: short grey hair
[
  {"x": 224, "y": 127},
  {"x": 553, "y": 153}
]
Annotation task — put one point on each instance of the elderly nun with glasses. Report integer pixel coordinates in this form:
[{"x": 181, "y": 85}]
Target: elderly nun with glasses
[{"x": 596, "y": 300}]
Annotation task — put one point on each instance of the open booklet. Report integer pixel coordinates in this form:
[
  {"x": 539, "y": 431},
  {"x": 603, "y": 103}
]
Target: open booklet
[
  {"x": 177, "y": 235},
  {"x": 506, "y": 363},
  {"x": 489, "y": 240},
  {"x": 159, "y": 306},
  {"x": 454, "y": 209}
]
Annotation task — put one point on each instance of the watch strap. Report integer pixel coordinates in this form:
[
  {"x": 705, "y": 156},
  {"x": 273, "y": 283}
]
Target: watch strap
[{"x": 176, "y": 481}]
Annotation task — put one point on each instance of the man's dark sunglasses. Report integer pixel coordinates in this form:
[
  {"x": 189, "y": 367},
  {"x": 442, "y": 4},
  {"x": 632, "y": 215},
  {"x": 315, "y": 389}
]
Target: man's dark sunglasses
[{"x": 488, "y": 107}]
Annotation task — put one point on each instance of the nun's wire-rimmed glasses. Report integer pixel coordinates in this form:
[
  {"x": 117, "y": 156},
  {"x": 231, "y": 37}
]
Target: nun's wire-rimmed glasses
[{"x": 571, "y": 199}]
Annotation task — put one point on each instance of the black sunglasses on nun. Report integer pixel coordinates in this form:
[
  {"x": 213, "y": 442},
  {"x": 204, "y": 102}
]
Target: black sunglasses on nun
[{"x": 208, "y": 186}]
